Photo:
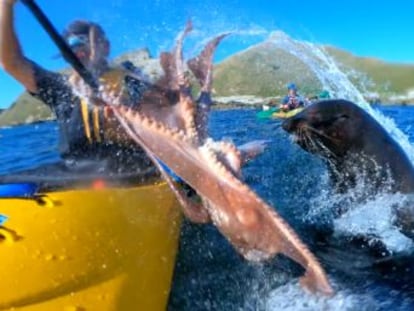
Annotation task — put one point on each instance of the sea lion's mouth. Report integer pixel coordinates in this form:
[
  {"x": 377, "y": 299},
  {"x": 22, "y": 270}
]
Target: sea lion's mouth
[{"x": 315, "y": 140}]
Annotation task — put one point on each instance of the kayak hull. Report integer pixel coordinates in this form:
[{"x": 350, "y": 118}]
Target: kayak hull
[
  {"x": 275, "y": 113},
  {"x": 266, "y": 113},
  {"x": 286, "y": 114},
  {"x": 100, "y": 249}
]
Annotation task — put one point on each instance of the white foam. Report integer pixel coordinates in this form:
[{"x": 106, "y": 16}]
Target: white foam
[
  {"x": 374, "y": 219},
  {"x": 291, "y": 297}
]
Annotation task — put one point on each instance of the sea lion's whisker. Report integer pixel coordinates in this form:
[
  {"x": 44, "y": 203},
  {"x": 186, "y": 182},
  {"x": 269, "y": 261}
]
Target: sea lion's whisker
[
  {"x": 309, "y": 143},
  {"x": 303, "y": 137},
  {"x": 328, "y": 152},
  {"x": 307, "y": 139},
  {"x": 313, "y": 142},
  {"x": 321, "y": 133}
]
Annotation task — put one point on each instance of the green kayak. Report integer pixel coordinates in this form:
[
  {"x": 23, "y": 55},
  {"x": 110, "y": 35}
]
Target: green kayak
[
  {"x": 266, "y": 114},
  {"x": 275, "y": 113}
]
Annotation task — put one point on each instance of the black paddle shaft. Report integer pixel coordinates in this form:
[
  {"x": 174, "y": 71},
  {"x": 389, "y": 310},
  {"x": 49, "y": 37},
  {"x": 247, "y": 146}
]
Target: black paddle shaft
[{"x": 64, "y": 48}]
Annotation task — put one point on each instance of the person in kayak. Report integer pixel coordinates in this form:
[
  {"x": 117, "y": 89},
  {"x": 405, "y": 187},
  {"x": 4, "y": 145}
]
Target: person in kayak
[
  {"x": 292, "y": 100},
  {"x": 88, "y": 134}
]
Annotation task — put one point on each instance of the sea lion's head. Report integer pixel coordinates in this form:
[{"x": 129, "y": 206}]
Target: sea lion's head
[{"x": 328, "y": 127}]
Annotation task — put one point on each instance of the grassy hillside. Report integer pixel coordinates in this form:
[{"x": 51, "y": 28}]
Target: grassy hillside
[
  {"x": 265, "y": 69},
  {"x": 387, "y": 78},
  {"x": 262, "y": 70},
  {"x": 26, "y": 109}
]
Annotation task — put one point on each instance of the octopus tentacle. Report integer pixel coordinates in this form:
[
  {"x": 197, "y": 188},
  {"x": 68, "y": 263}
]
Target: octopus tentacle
[
  {"x": 252, "y": 226},
  {"x": 172, "y": 63},
  {"x": 195, "y": 211},
  {"x": 185, "y": 107},
  {"x": 202, "y": 68},
  {"x": 178, "y": 55},
  {"x": 202, "y": 65}
]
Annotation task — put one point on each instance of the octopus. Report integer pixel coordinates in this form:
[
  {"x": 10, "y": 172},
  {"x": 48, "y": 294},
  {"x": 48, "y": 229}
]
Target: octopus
[{"x": 170, "y": 124}]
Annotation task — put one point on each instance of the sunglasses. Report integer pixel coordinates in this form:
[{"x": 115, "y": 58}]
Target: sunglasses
[{"x": 76, "y": 41}]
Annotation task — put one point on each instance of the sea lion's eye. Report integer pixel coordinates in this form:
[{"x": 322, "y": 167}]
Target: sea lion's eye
[
  {"x": 326, "y": 123},
  {"x": 342, "y": 117}
]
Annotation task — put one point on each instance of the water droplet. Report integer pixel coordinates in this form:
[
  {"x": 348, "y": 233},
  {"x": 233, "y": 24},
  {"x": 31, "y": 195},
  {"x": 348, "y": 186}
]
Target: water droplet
[{"x": 50, "y": 257}]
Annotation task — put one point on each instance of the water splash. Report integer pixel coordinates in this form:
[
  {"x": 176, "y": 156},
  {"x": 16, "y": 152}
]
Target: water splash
[
  {"x": 321, "y": 64},
  {"x": 291, "y": 297},
  {"x": 336, "y": 81},
  {"x": 374, "y": 219},
  {"x": 350, "y": 215}
]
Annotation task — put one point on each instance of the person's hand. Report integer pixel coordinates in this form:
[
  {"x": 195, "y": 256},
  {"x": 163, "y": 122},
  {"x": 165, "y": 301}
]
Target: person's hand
[
  {"x": 105, "y": 96},
  {"x": 110, "y": 97},
  {"x": 293, "y": 101},
  {"x": 8, "y": 2},
  {"x": 79, "y": 87}
]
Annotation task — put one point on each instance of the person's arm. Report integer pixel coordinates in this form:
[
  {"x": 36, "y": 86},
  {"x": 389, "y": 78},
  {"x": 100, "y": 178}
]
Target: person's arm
[
  {"x": 11, "y": 56},
  {"x": 301, "y": 101},
  {"x": 45, "y": 85},
  {"x": 284, "y": 105}
]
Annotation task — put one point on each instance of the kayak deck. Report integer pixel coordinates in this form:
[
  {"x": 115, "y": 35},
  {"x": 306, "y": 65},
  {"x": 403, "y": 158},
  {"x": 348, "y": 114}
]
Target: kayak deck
[
  {"x": 286, "y": 114},
  {"x": 101, "y": 249},
  {"x": 275, "y": 113}
]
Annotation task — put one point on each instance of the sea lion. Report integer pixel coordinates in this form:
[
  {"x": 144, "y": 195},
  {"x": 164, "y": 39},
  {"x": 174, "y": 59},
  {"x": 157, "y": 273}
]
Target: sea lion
[{"x": 356, "y": 149}]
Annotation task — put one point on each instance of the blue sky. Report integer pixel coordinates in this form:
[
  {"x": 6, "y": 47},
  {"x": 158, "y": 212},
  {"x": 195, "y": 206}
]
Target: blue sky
[{"x": 381, "y": 29}]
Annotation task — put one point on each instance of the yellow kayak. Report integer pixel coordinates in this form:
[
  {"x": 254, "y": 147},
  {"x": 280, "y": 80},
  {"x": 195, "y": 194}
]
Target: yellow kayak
[
  {"x": 100, "y": 249},
  {"x": 286, "y": 114}
]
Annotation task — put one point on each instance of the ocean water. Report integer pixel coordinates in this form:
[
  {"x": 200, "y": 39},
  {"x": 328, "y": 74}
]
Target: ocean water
[{"x": 210, "y": 275}]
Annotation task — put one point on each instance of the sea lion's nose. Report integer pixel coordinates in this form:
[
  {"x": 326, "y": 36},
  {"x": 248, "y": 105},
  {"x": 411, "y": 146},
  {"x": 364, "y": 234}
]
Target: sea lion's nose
[{"x": 290, "y": 124}]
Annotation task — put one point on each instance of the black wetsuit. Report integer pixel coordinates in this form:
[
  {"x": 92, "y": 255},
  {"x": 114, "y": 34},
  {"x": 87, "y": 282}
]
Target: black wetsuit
[{"x": 79, "y": 154}]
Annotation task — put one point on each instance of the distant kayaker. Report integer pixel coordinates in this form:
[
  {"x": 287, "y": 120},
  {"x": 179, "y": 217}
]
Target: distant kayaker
[
  {"x": 292, "y": 100},
  {"x": 86, "y": 132}
]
